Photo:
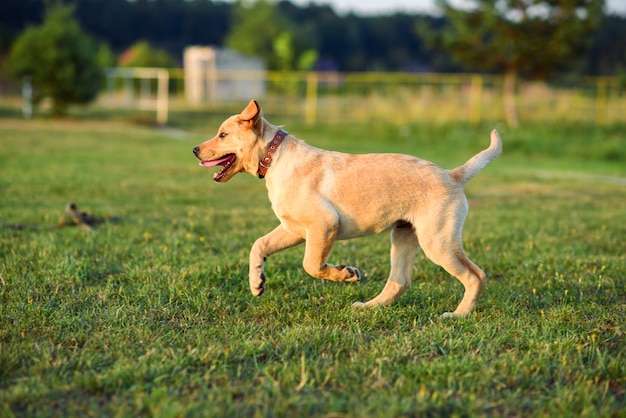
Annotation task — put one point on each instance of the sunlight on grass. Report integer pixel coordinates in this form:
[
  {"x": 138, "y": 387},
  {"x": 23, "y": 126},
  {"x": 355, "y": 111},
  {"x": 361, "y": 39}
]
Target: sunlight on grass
[{"x": 152, "y": 315}]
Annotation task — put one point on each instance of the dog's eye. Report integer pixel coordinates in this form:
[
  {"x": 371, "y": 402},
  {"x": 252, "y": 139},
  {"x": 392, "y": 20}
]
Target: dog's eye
[{"x": 223, "y": 135}]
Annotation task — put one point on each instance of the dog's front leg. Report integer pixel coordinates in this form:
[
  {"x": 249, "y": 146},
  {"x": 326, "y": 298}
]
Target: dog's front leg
[
  {"x": 318, "y": 246},
  {"x": 277, "y": 240}
]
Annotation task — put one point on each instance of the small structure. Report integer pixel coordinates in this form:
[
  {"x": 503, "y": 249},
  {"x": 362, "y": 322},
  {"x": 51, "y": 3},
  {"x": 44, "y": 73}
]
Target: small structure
[
  {"x": 222, "y": 75},
  {"x": 27, "y": 97}
]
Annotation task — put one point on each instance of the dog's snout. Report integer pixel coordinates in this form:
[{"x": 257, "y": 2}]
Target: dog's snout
[{"x": 196, "y": 150}]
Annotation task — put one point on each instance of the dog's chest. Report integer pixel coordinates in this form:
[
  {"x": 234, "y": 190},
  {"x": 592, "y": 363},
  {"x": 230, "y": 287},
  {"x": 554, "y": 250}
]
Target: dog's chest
[
  {"x": 292, "y": 205},
  {"x": 281, "y": 199}
]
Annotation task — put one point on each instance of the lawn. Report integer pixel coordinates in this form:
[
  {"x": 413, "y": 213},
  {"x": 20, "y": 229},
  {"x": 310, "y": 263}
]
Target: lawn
[{"x": 151, "y": 315}]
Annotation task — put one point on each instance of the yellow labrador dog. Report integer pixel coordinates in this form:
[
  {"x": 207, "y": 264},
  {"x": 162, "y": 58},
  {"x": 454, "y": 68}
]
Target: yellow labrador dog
[{"x": 322, "y": 196}]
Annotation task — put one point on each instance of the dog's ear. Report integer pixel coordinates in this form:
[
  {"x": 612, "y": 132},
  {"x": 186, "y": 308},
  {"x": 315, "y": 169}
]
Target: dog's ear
[{"x": 250, "y": 117}]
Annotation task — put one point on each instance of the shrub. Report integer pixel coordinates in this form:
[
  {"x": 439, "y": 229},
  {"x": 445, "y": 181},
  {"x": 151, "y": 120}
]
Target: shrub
[
  {"x": 141, "y": 54},
  {"x": 61, "y": 60}
]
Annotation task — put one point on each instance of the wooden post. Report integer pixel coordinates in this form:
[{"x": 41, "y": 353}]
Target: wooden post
[
  {"x": 510, "y": 108},
  {"x": 601, "y": 102},
  {"x": 476, "y": 99},
  {"x": 310, "y": 112},
  {"x": 162, "y": 96}
]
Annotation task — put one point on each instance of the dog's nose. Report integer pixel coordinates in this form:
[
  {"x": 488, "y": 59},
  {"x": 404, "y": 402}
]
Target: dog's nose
[{"x": 196, "y": 150}]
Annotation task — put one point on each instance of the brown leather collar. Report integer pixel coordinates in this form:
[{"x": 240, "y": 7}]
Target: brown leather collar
[{"x": 265, "y": 163}]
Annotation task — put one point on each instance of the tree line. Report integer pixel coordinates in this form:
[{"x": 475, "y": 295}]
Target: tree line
[
  {"x": 64, "y": 55},
  {"x": 340, "y": 42}
]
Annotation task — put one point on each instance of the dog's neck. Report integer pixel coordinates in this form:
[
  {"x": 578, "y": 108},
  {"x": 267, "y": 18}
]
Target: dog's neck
[{"x": 266, "y": 161}]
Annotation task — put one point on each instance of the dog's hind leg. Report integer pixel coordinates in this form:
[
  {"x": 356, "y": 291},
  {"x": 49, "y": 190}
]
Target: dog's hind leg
[
  {"x": 473, "y": 278},
  {"x": 404, "y": 246},
  {"x": 278, "y": 239},
  {"x": 443, "y": 245}
]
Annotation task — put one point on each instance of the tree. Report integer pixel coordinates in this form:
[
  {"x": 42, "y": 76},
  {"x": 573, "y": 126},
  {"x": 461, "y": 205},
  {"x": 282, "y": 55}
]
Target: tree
[
  {"x": 259, "y": 28},
  {"x": 254, "y": 28},
  {"x": 141, "y": 54},
  {"x": 531, "y": 38},
  {"x": 60, "y": 59}
]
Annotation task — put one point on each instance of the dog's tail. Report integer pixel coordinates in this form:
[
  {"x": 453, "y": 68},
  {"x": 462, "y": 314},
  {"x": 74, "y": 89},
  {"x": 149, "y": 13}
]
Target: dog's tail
[{"x": 467, "y": 171}]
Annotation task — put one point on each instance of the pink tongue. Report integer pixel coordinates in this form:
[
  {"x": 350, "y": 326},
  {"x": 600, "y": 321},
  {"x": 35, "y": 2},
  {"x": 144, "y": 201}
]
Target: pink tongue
[{"x": 213, "y": 163}]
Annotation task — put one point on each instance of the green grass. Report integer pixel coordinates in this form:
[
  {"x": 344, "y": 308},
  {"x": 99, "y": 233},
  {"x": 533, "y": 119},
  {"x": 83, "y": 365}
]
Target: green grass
[{"x": 151, "y": 316}]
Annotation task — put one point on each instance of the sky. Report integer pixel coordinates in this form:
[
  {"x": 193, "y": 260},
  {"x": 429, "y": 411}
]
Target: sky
[{"x": 365, "y": 7}]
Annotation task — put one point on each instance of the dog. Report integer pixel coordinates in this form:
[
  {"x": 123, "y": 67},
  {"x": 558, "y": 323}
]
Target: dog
[{"x": 322, "y": 196}]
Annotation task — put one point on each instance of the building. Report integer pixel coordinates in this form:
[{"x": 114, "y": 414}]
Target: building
[{"x": 214, "y": 75}]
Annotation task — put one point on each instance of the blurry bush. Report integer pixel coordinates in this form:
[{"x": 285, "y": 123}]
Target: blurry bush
[
  {"x": 141, "y": 54},
  {"x": 62, "y": 62}
]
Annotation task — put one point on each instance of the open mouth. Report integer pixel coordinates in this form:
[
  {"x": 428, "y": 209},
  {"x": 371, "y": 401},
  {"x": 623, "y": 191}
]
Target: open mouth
[{"x": 226, "y": 162}]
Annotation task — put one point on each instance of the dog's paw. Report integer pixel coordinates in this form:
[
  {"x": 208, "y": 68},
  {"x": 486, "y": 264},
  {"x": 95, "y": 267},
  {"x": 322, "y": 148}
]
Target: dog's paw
[
  {"x": 356, "y": 274},
  {"x": 359, "y": 305},
  {"x": 353, "y": 275},
  {"x": 259, "y": 288}
]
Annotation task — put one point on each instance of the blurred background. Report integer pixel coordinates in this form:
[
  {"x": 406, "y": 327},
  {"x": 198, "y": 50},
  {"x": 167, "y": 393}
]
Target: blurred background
[{"x": 325, "y": 61}]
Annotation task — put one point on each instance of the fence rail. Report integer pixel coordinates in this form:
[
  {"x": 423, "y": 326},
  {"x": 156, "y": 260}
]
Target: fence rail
[{"x": 395, "y": 97}]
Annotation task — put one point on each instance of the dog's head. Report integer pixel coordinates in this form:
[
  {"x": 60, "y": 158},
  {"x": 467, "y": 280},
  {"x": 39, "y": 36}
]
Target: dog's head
[{"x": 238, "y": 145}]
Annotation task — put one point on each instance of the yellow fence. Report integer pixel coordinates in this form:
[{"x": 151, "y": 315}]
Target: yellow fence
[{"x": 394, "y": 97}]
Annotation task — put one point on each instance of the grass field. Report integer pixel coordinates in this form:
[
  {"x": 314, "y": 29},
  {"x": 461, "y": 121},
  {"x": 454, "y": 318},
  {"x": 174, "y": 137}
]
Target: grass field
[{"x": 151, "y": 316}]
